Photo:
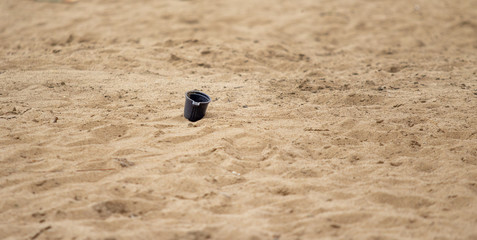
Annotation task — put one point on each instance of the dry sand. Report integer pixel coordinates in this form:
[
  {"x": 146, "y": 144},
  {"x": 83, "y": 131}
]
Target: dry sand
[{"x": 330, "y": 119}]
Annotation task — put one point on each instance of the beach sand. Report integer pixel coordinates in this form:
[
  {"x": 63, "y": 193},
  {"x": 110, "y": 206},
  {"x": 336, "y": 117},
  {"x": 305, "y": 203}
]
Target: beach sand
[{"x": 329, "y": 119}]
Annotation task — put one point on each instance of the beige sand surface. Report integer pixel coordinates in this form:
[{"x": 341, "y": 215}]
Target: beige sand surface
[{"x": 345, "y": 119}]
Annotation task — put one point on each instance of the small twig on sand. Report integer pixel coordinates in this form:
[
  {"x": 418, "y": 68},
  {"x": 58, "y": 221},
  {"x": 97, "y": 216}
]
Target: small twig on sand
[
  {"x": 40, "y": 232},
  {"x": 8, "y": 117}
]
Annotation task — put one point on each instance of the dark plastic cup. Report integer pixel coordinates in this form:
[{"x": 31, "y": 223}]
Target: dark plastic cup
[{"x": 195, "y": 105}]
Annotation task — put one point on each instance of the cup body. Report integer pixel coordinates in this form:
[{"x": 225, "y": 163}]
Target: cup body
[{"x": 196, "y": 103}]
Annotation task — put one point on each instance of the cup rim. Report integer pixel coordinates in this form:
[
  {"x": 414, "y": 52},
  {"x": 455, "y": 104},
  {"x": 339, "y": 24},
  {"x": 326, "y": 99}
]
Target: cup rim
[{"x": 199, "y": 93}]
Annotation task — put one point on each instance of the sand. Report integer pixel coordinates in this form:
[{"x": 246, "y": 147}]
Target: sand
[{"x": 330, "y": 119}]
